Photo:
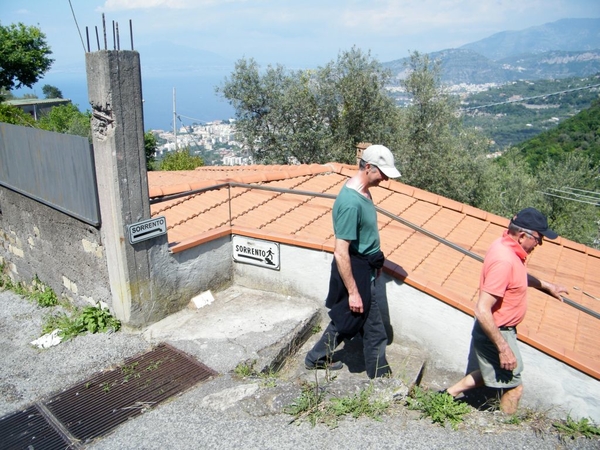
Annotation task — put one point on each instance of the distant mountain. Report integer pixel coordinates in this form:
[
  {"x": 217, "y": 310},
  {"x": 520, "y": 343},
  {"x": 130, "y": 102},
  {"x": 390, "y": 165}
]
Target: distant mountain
[
  {"x": 555, "y": 64},
  {"x": 460, "y": 66},
  {"x": 566, "y": 48},
  {"x": 565, "y": 34}
]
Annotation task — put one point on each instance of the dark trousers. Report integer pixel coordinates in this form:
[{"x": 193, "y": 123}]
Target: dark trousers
[{"x": 374, "y": 342}]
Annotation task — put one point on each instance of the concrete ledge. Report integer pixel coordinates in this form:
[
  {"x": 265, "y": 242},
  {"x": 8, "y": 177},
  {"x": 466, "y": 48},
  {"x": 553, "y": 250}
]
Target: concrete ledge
[{"x": 242, "y": 325}]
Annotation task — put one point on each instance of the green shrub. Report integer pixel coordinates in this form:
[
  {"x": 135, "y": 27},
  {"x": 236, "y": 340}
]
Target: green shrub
[
  {"x": 181, "y": 160},
  {"x": 440, "y": 407},
  {"x": 92, "y": 319},
  {"x": 571, "y": 429},
  {"x": 313, "y": 406}
]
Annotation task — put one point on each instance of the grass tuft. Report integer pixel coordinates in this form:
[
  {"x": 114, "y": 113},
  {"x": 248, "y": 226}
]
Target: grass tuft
[
  {"x": 440, "y": 407},
  {"x": 313, "y": 406},
  {"x": 571, "y": 429},
  {"x": 92, "y": 319},
  {"x": 245, "y": 369},
  {"x": 39, "y": 292}
]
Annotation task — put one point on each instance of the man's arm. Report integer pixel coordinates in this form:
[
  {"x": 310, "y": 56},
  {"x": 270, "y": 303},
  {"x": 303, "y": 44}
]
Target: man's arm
[
  {"x": 342, "y": 259},
  {"x": 555, "y": 290},
  {"x": 483, "y": 312}
]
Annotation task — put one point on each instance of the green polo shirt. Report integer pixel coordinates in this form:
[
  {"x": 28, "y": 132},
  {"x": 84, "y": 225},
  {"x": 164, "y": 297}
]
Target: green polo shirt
[{"x": 355, "y": 220}]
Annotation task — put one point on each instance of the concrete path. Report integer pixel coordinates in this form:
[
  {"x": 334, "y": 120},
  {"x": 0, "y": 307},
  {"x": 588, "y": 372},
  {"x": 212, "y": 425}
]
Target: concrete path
[{"x": 242, "y": 326}]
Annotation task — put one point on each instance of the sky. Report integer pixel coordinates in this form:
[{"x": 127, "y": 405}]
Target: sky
[{"x": 296, "y": 34}]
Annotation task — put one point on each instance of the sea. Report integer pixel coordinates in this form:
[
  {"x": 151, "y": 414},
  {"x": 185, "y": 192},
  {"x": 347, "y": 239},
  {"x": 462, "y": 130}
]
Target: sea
[{"x": 194, "y": 92}]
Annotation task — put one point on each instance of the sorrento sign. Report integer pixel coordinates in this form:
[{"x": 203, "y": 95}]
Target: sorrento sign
[
  {"x": 256, "y": 251},
  {"x": 147, "y": 229}
]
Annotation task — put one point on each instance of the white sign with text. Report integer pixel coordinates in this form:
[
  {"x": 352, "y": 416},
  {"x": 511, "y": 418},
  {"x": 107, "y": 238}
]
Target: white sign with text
[
  {"x": 256, "y": 251},
  {"x": 146, "y": 229}
]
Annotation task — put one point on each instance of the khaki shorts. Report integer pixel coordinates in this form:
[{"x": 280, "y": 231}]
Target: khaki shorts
[{"x": 489, "y": 360}]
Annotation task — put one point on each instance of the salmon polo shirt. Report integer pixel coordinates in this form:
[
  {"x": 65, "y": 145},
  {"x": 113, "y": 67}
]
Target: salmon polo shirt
[{"x": 504, "y": 276}]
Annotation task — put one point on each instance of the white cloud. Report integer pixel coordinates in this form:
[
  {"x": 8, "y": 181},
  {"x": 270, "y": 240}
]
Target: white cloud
[
  {"x": 395, "y": 17},
  {"x": 121, "y": 5}
]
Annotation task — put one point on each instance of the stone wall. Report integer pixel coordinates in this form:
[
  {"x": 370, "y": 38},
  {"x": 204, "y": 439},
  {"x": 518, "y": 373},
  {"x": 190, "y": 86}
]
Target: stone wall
[{"x": 63, "y": 252}]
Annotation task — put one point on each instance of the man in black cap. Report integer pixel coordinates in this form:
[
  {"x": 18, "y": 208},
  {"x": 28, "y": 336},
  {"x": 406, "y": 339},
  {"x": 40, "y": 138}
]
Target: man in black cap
[{"x": 501, "y": 307}]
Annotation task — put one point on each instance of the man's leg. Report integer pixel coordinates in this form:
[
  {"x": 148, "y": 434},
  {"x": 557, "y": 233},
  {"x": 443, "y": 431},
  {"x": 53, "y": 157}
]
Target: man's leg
[
  {"x": 510, "y": 399},
  {"x": 375, "y": 341},
  {"x": 323, "y": 350},
  {"x": 470, "y": 381}
]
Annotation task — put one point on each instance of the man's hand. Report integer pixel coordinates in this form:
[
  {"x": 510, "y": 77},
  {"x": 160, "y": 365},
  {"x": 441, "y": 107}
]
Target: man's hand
[
  {"x": 555, "y": 290},
  {"x": 355, "y": 303},
  {"x": 507, "y": 359}
]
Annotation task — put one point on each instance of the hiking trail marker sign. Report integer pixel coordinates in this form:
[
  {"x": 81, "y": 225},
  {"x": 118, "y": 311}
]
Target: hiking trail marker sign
[
  {"x": 256, "y": 251},
  {"x": 147, "y": 229}
]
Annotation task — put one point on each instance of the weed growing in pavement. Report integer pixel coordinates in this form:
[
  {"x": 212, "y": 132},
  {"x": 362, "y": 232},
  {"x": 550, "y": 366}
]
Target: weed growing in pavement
[
  {"x": 440, "y": 407},
  {"x": 42, "y": 294},
  {"x": 96, "y": 319},
  {"x": 245, "y": 369},
  {"x": 570, "y": 429},
  {"x": 269, "y": 378},
  {"x": 538, "y": 420},
  {"x": 309, "y": 406},
  {"x": 92, "y": 319},
  {"x": 359, "y": 405},
  {"x": 314, "y": 407},
  {"x": 39, "y": 292}
]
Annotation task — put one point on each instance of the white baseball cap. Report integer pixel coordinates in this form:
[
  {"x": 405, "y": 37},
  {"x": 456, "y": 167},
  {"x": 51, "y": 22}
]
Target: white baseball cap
[{"x": 381, "y": 156}]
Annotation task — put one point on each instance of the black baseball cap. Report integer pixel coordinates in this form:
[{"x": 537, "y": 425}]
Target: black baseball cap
[{"x": 532, "y": 219}]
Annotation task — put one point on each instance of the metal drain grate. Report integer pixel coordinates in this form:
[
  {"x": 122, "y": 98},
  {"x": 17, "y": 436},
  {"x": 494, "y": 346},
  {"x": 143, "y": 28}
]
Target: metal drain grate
[
  {"x": 94, "y": 407},
  {"x": 29, "y": 429}
]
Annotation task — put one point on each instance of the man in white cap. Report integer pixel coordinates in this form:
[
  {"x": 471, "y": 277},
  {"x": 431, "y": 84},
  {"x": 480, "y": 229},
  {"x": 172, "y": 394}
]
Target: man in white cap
[
  {"x": 501, "y": 307},
  {"x": 355, "y": 267}
]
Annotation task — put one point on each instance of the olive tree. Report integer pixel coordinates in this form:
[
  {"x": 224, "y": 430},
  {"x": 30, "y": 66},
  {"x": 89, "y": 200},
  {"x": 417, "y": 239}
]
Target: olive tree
[
  {"x": 508, "y": 185},
  {"x": 311, "y": 116},
  {"x": 437, "y": 153}
]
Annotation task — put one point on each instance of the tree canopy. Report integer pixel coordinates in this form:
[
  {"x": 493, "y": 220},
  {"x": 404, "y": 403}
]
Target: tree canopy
[
  {"x": 436, "y": 152},
  {"x": 50, "y": 91},
  {"x": 24, "y": 56},
  {"x": 317, "y": 116},
  {"x": 150, "y": 145},
  {"x": 16, "y": 116},
  {"x": 311, "y": 116},
  {"x": 182, "y": 159},
  {"x": 67, "y": 119}
]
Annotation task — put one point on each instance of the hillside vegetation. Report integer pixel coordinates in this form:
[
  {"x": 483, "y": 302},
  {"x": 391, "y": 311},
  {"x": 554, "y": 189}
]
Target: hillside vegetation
[
  {"x": 557, "y": 172},
  {"x": 518, "y": 111},
  {"x": 577, "y": 135}
]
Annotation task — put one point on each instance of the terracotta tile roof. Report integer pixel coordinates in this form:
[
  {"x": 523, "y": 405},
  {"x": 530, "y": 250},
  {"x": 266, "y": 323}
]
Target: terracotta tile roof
[{"x": 421, "y": 261}]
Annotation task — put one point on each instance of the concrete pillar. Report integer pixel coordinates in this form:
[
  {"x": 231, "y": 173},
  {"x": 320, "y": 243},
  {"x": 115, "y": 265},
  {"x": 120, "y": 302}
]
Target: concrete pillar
[{"x": 115, "y": 94}]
